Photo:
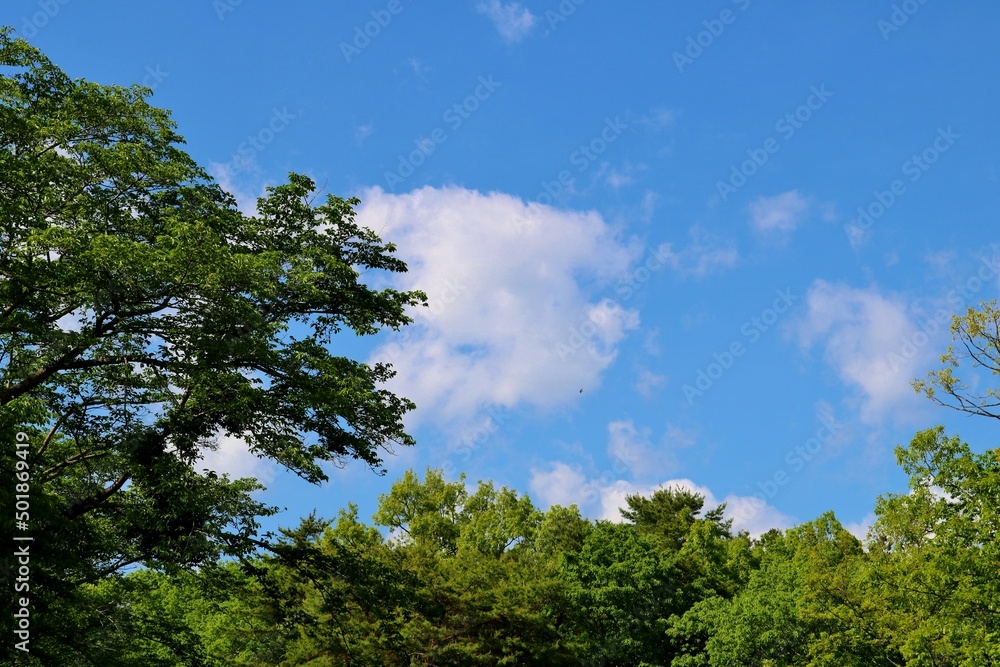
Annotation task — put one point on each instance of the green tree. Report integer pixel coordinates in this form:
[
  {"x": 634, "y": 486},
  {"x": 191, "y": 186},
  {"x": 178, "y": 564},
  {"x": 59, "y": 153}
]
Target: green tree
[
  {"x": 935, "y": 552},
  {"x": 562, "y": 531},
  {"x": 142, "y": 316},
  {"x": 667, "y": 515},
  {"x": 977, "y": 346},
  {"x": 806, "y": 605},
  {"x": 486, "y": 595},
  {"x": 427, "y": 513},
  {"x": 621, "y": 589}
]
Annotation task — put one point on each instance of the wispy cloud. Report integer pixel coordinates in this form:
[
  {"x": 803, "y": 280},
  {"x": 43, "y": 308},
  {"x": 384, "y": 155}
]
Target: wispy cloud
[
  {"x": 781, "y": 213},
  {"x": 512, "y": 20},
  {"x": 362, "y": 132},
  {"x": 704, "y": 255},
  {"x": 649, "y": 382},
  {"x": 618, "y": 179},
  {"x": 419, "y": 69},
  {"x": 631, "y": 448}
]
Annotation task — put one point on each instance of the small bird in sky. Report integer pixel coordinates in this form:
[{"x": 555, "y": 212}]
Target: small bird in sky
[{"x": 581, "y": 391}]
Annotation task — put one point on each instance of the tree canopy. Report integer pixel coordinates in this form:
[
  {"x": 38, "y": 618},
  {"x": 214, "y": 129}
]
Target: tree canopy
[{"x": 142, "y": 316}]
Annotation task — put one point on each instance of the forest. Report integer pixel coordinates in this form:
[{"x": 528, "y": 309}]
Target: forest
[{"x": 191, "y": 319}]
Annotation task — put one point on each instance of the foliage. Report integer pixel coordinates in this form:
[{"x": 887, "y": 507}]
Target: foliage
[
  {"x": 142, "y": 316},
  {"x": 977, "y": 344}
]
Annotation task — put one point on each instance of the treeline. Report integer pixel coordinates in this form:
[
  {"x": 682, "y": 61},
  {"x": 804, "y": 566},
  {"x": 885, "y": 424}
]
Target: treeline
[{"x": 486, "y": 578}]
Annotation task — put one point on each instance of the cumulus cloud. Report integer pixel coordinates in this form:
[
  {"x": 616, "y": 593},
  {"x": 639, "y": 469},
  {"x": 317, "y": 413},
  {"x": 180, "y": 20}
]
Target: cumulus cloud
[
  {"x": 512, "y": 320},
  {"x": 748, "y": 513},
  {"x": 632, "y": 451},
  {"x": 512, "y": 20},
  {"x": 561, "y": 484},
  {"x": 780, "y": 213},
  {"x": 874, "y": 342},
  {"x": 564, "y": 485}
]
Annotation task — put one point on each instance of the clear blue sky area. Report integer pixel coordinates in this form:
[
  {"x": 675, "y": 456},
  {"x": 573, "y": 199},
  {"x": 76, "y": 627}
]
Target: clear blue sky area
[{"x": 705, "y": 244}]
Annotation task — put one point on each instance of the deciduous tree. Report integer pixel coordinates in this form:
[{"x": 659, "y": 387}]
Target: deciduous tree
[{"x": 142, "y": 316}]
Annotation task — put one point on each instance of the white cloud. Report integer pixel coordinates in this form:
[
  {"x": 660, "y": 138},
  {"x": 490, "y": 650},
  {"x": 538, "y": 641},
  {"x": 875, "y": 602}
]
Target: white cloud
[
  {"x": 860, "y": 528},
  {"x": 872, "y": 342},
  {"x": 856, "y": 236},
  {"x": 747, "y": 512},
  {"x": 509, "y": 321},
  {"x": 780, "y": 213},
  {"x": 632, "y": 451},
  {"x": 561, "y": 485},
  {"x": 679, "y": 437},
  {"x": 232, "y": 456},
  {"x": 755, "y": 516},
  {"x": 511, "y": 19}
]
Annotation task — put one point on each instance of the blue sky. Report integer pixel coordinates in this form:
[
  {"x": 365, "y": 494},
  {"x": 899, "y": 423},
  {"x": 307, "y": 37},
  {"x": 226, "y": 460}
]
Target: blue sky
[{"x": 737, "y": 226}]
